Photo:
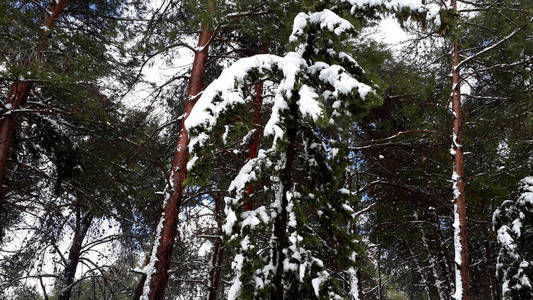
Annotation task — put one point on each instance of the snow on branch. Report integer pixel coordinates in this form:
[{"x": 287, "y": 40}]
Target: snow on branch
[
  {"x": 432, "y": 10},
  {"x": 225, "y": 92},
  {"x": 326, "y": 19}
]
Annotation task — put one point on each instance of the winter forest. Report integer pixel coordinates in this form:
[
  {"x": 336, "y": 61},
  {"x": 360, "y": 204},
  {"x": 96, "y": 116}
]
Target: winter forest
[{"x": 281, "y": 149}]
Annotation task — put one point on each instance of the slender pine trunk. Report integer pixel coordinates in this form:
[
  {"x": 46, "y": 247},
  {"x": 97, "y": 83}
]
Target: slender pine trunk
[
  {"x": 442, "y": 283},
  {"x": 491, "y": 270},
  {"x": 462, "y": 278},
  {"x": 380, "y": 293},
  {"x": 218, "y": 252},
  {"x": 420, "y": 271},
  {"x": 155, "y": 282},
  {"x": 80, "y": 231},
  {"x": 140, "y": 285}
]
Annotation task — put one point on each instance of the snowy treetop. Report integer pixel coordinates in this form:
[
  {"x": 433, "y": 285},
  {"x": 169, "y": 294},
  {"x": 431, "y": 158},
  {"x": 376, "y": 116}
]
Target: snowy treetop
[{"x": 292, "y": 69}]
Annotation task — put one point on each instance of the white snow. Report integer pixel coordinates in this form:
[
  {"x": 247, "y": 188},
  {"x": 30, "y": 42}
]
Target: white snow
[
  {"x": 458, "y": 295},
  {"x": 235, "y": 288},
  {"x": 149, "y": 269},
  {"x": 326, "y": 19},
  {"x": 308, "y": 104},
  {"x": 455, "y": 179},
  {"x": 316, "y": 282}
]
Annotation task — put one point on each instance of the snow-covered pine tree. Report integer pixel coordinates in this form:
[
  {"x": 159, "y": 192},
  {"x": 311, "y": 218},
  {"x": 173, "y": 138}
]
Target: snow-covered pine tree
[
  {"x": 513, "y": 222},
  {"x": 295, "y": 242}
]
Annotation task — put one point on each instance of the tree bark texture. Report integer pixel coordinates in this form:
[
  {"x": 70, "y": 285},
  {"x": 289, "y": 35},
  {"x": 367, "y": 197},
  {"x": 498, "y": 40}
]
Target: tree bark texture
[
  {"x": 463, "y": 280},
  {"x": 158, "y": 280}
]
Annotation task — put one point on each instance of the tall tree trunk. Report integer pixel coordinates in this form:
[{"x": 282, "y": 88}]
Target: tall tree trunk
[
  {"x": 462, "y": 277},
  {"x": 156, "y": 278},
  {"x": 80, "y": 231},
  {"x": 218, "y": 253},
  {"x": 20, "y": 90},
  {"x": 280, "y": 223},
  {"x": 254, "y": 145}
]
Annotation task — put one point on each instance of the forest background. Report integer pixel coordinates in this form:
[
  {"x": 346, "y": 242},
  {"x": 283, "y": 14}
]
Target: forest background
[{"x": 297, "y": 156}]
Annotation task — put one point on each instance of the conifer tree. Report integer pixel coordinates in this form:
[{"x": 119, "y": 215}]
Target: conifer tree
[
  {"x": 513, "y": 223},
  {"x": 314, "y": 92}
]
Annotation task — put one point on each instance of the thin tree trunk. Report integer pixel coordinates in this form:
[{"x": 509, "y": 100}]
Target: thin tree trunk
[
  {"x": 254, "y": 145},
  {"x": 491, "y": 269},
  {"x": 45, "y": 295},
  {"x": 462, "y": 278},
  {"x": 379, "y": 274},
  {"x": 20, "y": 90},
  {"x": 440, "y": 278},
  {"x": 443, "y": 258},
  {"x": 280, "y": 223},
  {"x": 418, "y": 267},
  {"x": 140, "y": 285},
  {"x": 155, "y": 282},
  {"x": 80, "y": 231},
  {"x": 218, "y": 253}
]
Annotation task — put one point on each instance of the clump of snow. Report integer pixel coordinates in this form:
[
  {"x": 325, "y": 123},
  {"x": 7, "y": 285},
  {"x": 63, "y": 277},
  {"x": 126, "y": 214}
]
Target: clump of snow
[
  {"x": 150, "y": 269},
  {"x": 326, "y": 19},
  {"x": 316, "y": 282},
  {"x": 458, "y": 295},
  {"x": 455, "y": 180}
]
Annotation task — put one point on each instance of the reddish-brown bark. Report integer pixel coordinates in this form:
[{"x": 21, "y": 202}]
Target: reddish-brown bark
[
  {"x": 20, "y": 90},
  {"x": 254, "y": 145},
  {"x": 159, "y": 278},
  {"x": 458, "y": 165}
]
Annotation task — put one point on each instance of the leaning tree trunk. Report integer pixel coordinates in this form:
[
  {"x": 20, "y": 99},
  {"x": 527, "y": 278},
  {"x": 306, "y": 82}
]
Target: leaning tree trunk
[
  {"x": 67, "y": 279},
  {"x": 156, "y": 278},
  {"x": 462, "y": 277},
  {"x": 20, "y": 90}
]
